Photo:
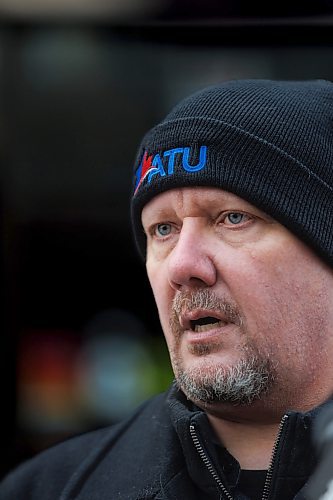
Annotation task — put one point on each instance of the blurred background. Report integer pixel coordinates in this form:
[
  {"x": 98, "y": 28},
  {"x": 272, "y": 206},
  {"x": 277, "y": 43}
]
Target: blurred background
[{"x": 81, "y": 81}]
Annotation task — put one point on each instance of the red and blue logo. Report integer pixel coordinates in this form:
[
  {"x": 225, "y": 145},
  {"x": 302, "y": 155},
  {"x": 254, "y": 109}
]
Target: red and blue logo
[{"x": 164, "y": 164}]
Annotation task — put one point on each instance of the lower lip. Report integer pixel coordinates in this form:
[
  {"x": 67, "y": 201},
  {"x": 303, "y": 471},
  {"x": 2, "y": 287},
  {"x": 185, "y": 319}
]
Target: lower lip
[{"x": 207, "y": 336}]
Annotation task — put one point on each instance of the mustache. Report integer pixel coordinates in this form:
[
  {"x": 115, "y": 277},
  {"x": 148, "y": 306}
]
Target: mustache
[{"x": 207, "y": 300}]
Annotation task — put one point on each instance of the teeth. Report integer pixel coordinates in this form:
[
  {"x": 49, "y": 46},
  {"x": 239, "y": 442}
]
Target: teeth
[{"x": 204, "y": 328}]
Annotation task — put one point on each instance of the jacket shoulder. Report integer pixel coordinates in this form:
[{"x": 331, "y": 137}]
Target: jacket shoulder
[{"x": 61, "y": 466}]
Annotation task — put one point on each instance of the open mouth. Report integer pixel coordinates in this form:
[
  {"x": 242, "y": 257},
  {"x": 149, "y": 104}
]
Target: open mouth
[{"x": 206, "y": 323}]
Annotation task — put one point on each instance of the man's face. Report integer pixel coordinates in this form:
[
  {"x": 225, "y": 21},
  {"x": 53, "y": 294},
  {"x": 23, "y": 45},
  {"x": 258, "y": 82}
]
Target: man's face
[{"x": 245, "y": 306}]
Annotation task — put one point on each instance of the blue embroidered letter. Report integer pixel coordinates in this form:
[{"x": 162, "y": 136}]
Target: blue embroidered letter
[
  {"x": 157, "y": 163},
  {"x": 202, "y": 159},
  {"x": 171, "y": 153}
]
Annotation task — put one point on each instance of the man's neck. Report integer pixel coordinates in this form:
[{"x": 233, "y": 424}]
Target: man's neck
[{"x": 251, "y": 443}]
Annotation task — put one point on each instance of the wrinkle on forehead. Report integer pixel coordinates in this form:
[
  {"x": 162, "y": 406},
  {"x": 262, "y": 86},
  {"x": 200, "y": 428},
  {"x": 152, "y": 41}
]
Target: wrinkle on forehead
[
  {"x": 191, "y": 199},
  {"x": 201, "y": 199}
]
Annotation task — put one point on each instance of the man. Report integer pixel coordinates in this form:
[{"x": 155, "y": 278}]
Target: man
[{"x": 232, "y": 211}]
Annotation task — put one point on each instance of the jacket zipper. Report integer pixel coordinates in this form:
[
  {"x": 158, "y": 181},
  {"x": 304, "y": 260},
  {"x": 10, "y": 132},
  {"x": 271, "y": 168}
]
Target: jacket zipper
[
  {"x": 212, "y": 471},
  {"x": 269, "y": 475},
  {"x": 207, "y": 462}
]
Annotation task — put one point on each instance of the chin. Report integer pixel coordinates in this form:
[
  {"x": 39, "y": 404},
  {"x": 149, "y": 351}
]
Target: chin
[{"x": 208, "y": 382}]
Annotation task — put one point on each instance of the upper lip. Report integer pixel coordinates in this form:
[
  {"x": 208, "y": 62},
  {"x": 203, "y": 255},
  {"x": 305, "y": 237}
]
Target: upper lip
[{"x": 188, "y": 318}]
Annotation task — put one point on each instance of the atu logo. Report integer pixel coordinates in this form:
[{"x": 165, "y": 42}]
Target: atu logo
[{"x": 164, "y": 164}]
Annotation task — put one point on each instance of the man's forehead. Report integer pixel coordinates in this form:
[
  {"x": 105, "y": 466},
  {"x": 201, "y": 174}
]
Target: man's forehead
[
  {"x": 201, "y": 198},
  {"x": 199, "y": 195}
]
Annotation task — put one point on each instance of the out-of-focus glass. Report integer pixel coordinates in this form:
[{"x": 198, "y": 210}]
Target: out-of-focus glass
[{"x": 69, "y": 382}]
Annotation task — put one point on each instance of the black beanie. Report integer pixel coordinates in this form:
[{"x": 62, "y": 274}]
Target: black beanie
[{"x": 269, "y": 142}]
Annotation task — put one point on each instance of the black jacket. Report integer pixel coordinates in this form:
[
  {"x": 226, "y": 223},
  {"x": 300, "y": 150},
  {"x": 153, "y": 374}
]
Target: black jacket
[{"x": 165, "y": 451}]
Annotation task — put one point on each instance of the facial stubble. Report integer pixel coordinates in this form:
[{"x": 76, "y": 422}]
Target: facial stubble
[{"x": 208, "y": 381}]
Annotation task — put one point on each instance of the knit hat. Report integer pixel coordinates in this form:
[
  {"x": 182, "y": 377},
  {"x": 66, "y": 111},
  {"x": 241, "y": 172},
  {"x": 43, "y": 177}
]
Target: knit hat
[{"x": 269, "y": 142}]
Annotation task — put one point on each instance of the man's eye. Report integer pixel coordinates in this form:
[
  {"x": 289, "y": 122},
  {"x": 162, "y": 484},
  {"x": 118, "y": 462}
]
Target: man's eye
[
  {"x": 163, "y": 229},
  {"x": 236, "y": 218}
]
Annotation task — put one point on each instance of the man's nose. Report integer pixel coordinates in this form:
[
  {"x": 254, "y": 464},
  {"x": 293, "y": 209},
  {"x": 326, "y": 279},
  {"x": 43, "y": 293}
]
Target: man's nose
[{"x": 190, "y": 261}]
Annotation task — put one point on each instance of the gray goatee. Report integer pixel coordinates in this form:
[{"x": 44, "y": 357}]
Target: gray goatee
[{"x": 239, "y": 384}]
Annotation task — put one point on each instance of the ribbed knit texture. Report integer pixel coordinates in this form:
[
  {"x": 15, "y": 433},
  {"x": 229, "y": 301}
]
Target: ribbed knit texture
[{"x": 269, "y": 142}]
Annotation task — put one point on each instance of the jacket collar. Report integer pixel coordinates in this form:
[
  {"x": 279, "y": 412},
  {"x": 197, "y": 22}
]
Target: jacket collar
[{"x": 296, "y": 457}]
